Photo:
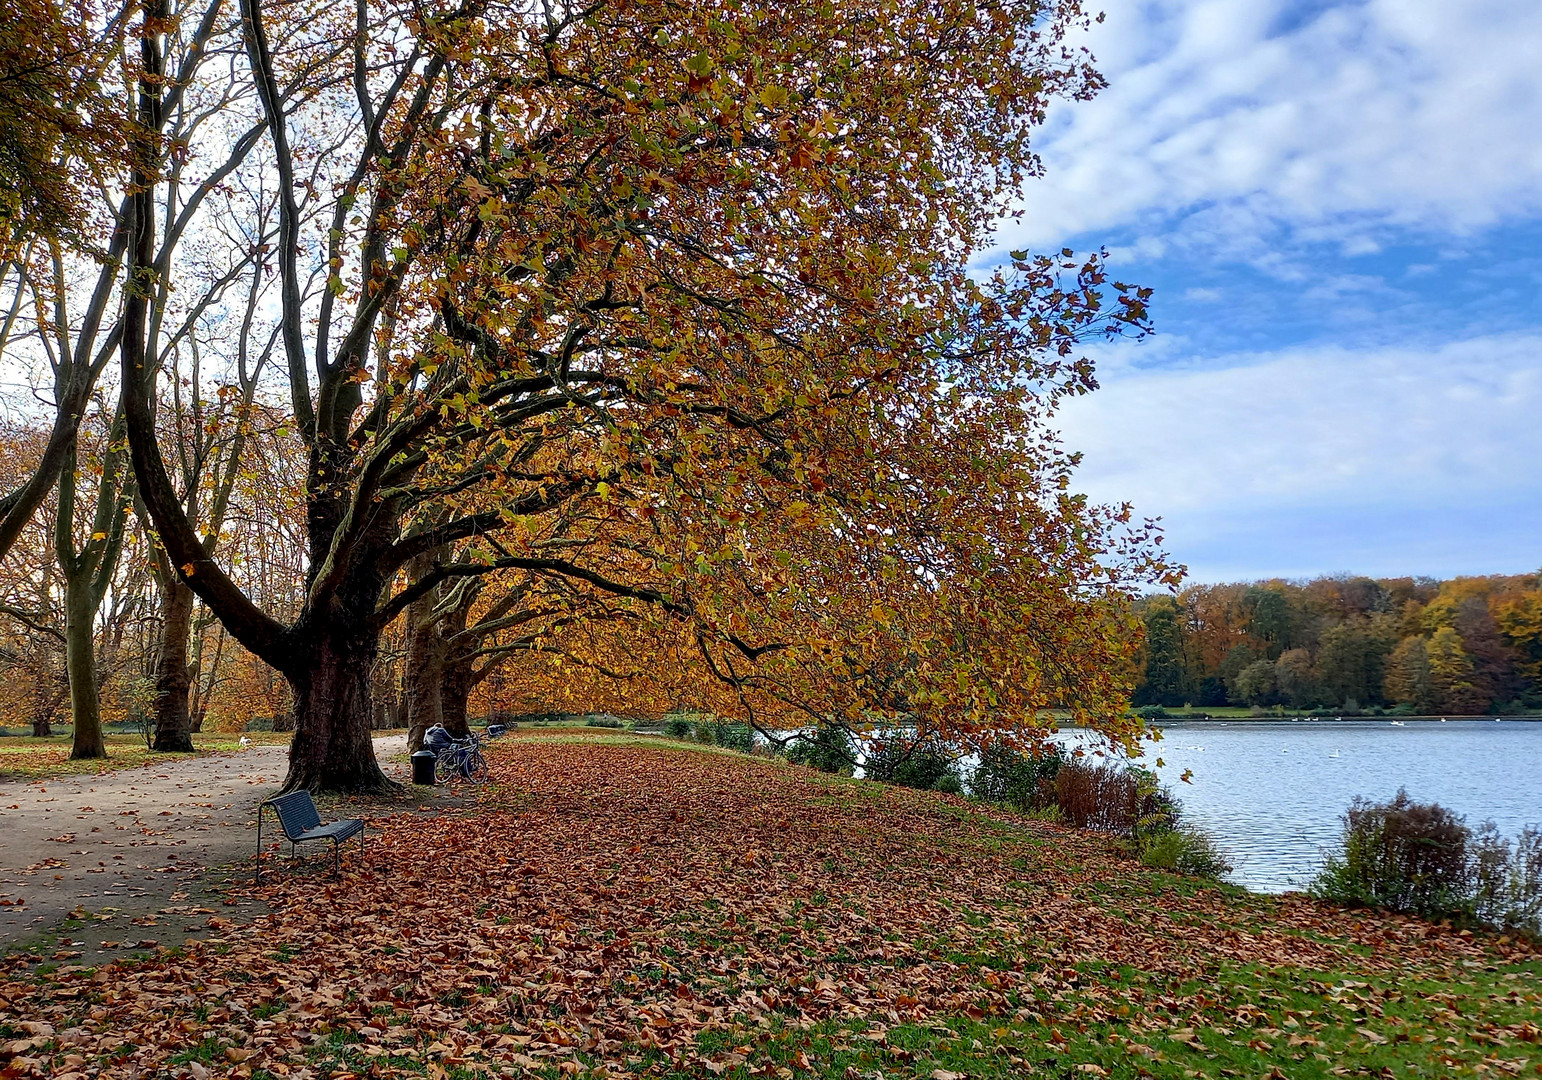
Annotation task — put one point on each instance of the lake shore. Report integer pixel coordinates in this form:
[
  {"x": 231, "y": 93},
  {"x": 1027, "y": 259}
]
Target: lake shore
[{"x": 1200, "y": 716}]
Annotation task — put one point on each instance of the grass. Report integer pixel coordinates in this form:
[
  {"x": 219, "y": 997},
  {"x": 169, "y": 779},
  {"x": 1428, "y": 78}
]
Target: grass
[
  {"x": 620, "y": 907},
  {"x": 29, "y": 758}
]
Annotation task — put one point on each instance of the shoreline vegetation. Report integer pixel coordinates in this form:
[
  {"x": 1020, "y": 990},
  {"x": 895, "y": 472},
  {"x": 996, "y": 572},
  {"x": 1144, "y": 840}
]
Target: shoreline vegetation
[
  {"x": 1323, "y": 715},
  {"x": 1467, "y": 646}
]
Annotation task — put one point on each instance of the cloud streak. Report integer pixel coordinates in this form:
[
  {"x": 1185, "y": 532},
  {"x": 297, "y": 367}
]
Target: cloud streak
[
  {"x": 1376, "y": 456},
  {"x": 1227, "y": 122}
]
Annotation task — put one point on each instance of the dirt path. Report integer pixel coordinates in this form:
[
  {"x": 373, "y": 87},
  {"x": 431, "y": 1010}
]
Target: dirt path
[{"x": 132, "y": 848}]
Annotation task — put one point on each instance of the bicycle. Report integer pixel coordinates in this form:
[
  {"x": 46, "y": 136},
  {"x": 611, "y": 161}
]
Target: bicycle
[{"x": 461, "y": 758}]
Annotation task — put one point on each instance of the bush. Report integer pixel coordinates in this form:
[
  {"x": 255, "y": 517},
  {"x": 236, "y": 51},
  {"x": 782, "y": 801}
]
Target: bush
[
  {"x": 1422, "y": 859},
  {"x": 677, "y": 726},
  {"x": 713, "y": 732},
  {"x": 740, "y": 737},
  {"x": 1151, "y": 712},
  {"x": 1402, "y": 855},
  {"x": 603, "y": 722},
  {"x": 829, "y": 749},
  {"x": 1023, "y": 781},
  {"x": 1184, "y": 851},
  {"x": 925, "y": 764},
  {"x": 1508, "y": 882},
  {"x": 1112, "y": 799}
]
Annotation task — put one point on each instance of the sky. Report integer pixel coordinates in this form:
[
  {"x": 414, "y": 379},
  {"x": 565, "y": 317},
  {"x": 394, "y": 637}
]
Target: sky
[{"x": 1339, "y": 206}]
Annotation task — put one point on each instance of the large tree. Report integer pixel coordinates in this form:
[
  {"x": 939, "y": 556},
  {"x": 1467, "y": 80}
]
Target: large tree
[{"x": 671, "y": 304}]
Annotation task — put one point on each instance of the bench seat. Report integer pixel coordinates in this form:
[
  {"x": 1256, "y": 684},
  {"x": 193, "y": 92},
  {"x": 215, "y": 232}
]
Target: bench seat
[{"x": 300, "y": 822}]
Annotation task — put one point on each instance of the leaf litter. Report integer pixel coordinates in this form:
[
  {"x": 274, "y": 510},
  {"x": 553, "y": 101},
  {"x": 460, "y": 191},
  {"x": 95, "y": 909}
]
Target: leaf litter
[{"x": 614, "y": 909}]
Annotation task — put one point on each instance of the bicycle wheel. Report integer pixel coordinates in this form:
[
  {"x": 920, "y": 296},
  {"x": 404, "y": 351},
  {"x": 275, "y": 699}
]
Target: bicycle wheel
[
  {"x": 476, "y": 765},
  {"x": 445, "y": 766}
]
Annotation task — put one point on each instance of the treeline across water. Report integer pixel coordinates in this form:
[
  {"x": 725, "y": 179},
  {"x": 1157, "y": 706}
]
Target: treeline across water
[{"x": 1467, "y": 646}]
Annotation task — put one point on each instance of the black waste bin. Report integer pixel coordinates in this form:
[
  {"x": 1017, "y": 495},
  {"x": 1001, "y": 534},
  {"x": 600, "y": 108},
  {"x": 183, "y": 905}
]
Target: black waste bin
[{"x": 423, "y": 767}]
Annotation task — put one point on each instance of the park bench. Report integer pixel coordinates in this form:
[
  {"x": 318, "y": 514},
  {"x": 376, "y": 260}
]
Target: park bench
[{"x": 298, "y": 818}]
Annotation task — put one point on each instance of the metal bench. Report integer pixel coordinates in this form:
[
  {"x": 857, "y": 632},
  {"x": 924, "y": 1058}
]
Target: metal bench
[{"x": 300, "y": 822}]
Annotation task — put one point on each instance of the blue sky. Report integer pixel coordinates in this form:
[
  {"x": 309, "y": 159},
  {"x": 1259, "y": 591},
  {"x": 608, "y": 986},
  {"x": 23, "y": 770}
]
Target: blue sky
[{"x": 1340, "y": 207}]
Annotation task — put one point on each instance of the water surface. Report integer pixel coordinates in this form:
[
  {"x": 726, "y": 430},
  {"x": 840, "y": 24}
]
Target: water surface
[{"x": 1272, "y": 794}]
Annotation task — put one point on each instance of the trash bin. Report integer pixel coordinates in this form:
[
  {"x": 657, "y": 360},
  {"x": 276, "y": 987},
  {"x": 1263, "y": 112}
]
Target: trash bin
[{"x": 423, "y": 767}]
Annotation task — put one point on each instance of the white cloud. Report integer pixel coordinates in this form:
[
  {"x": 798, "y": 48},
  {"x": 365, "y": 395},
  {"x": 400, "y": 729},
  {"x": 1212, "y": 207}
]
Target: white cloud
[
  {"x": 1404, "y": 113},
  {"x": 1425, "y": 459}
]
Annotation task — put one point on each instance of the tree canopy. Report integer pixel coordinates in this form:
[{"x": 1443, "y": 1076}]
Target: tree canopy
[
  {"x": 661, "y": 324},
  {"x": 1463, "y": 646}
]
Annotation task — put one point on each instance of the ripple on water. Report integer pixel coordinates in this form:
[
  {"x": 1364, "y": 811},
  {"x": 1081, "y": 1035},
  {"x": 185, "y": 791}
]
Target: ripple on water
[{"x": 1275, "y": 803}]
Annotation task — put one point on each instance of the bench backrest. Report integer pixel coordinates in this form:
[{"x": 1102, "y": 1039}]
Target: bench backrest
[{"x": 296, "y": 812}]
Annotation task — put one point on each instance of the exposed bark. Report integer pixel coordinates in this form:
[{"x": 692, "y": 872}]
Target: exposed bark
[
  {"x": 333, "y": 748},
  {"x": 425, "y": 664},
  {"x": 80, "y": 654},
  {"x": 455, "y": 690},
  {"x": 173, "y": 720},
  {"x": 203, "y": 687}
]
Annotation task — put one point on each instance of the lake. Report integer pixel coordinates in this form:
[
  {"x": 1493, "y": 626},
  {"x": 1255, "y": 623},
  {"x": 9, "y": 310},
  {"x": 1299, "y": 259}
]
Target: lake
[{"x": 1272, "y": 794}]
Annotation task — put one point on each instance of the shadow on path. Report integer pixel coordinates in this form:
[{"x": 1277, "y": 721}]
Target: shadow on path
[{"x": 135, "y": 858}]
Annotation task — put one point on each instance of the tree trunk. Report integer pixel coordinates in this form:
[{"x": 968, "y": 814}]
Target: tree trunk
[
  {"x": 80, "y": 660},
  {"x": 454, "y": 692},
  {"x": 48, "y": 692},
  {"x": 333, "y": 747},
  {"x": 424, "y": 669},
  {"x": 425, "y": 680},
  {"x": 173, "y": 722}
]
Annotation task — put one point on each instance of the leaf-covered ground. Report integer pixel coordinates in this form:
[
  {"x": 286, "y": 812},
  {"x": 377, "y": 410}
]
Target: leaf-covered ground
[{"x": 617, "y": 906}]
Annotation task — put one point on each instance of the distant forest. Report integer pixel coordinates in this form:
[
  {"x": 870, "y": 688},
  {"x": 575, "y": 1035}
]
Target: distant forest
[{"x": 1467, "y": 646}]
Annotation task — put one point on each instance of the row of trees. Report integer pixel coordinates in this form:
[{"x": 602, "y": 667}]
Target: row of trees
[
  {"x": 1464, "y": 646},
  {"x": 635, "y": 343}
]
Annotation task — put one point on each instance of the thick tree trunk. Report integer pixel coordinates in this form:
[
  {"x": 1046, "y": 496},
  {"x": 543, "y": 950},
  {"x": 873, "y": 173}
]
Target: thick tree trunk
[
  {"x": 425, "y": 679},
  {"x": 173, "y": 721},
  {"x": 333, "y": 748},
  {"x": 80, "y": 660},
  {"x": 424, "y": 669},
  {"x": 42, "y": 727},
  {"x": 454, "y": 692}
]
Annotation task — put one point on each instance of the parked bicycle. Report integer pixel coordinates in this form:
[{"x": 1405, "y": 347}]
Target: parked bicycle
[{"x": 455, "y": 758}]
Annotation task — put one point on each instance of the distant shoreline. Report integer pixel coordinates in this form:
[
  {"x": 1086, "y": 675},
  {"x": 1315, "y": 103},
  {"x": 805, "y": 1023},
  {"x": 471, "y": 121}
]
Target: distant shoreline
[{"x": 1388, "y": 720}]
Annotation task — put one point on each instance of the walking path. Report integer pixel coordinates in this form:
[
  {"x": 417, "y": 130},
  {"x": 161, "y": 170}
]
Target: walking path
[{"x": 126, "y": 852}]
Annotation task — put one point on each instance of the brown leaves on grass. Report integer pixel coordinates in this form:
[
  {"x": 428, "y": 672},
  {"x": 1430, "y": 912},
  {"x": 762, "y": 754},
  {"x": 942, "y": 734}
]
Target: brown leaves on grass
[{"x": 604, "y": 901}]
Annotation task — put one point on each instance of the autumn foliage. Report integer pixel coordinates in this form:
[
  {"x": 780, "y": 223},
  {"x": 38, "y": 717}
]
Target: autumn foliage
[
  {"x": 1464, "y": 646},
  {"x": 664, "y": 314}
]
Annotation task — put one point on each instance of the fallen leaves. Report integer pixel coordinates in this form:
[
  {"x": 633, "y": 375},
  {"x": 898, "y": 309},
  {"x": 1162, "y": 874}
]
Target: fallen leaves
[{"x": 611, "y": 912}]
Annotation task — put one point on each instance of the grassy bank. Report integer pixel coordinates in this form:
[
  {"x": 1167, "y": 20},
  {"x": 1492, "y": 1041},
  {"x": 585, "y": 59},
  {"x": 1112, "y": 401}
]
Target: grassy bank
[{"x": 627, "y": 906}]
